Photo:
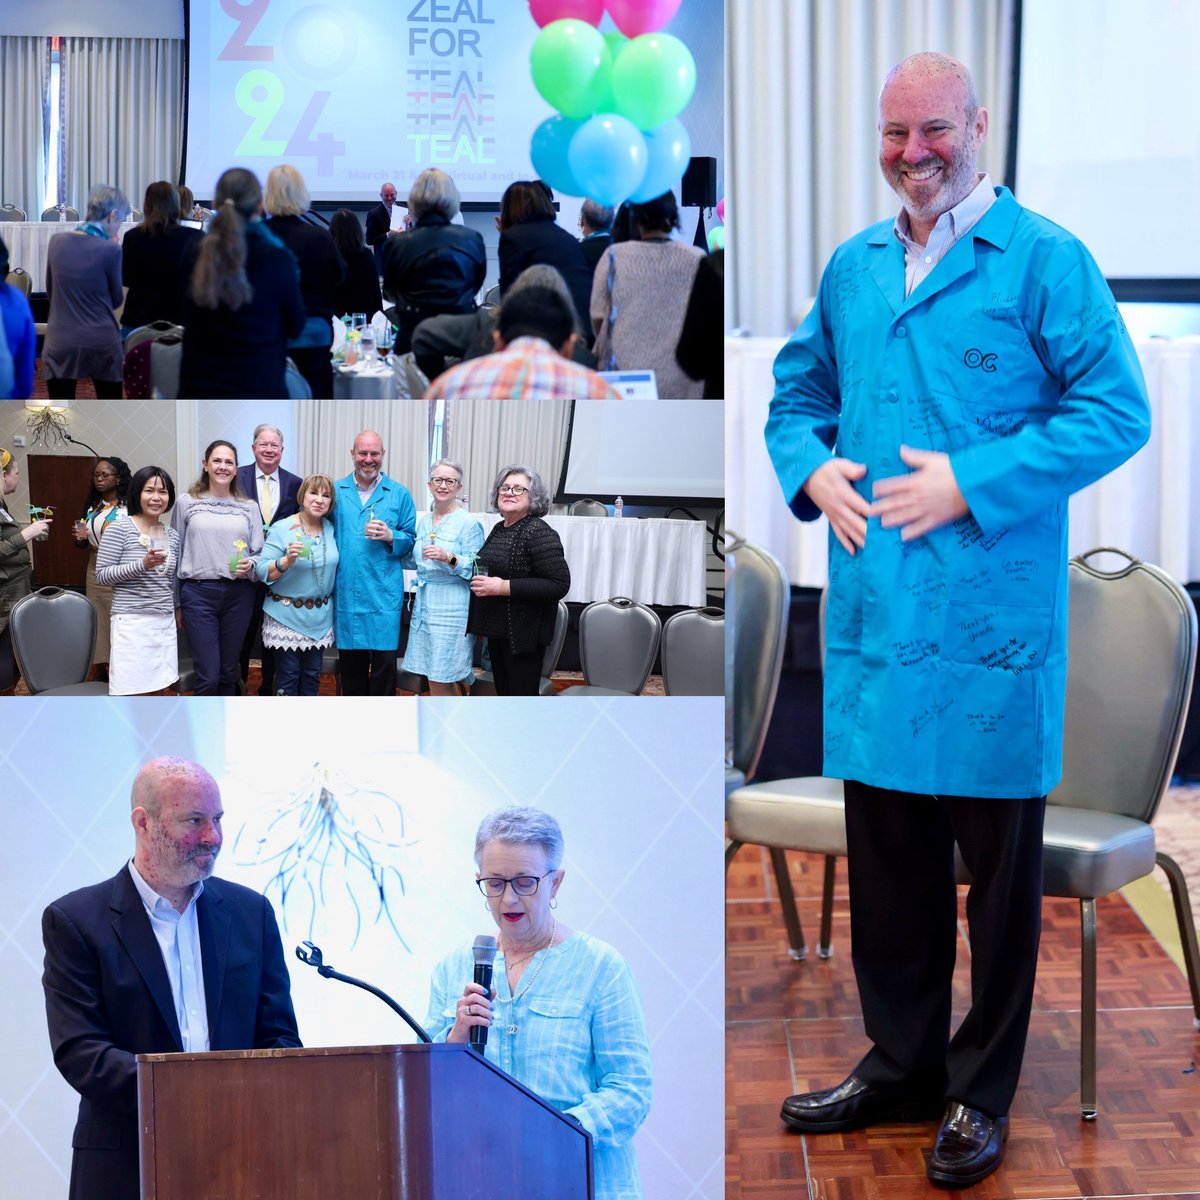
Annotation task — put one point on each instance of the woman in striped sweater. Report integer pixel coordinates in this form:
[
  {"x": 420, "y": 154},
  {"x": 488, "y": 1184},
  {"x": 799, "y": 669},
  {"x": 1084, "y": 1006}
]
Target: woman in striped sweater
[{"x": 137, "y": 558}]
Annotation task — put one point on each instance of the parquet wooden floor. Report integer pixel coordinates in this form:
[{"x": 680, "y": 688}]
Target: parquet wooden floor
[{"x": 795, "y": 1026}]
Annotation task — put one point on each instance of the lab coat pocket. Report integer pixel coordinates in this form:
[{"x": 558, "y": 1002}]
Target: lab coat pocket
[{"x": 1000, "y": 639}]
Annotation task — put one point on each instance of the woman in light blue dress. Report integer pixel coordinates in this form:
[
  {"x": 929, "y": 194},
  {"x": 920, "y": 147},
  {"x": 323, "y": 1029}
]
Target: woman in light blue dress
[
  {"x": 564, "y": 1014},
  {"x": 448, "y": 539}
]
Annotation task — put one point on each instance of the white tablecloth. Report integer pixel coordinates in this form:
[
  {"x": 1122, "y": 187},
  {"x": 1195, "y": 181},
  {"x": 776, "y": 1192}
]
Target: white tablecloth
[
  {"x": 27, "y": 242},
  {"x": 1150, "y": 506},
  {"x": 652, "y": 560}
]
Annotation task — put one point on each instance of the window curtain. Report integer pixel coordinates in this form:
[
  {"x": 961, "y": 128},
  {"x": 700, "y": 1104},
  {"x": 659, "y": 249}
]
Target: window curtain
[
  {"x": 803, "y": 81},
  {"x": 487, "y": 435},
  {"x": 25, "y": 122},
  {"x": 122, "y": 118},
  {"x": 327, "y": 433}
]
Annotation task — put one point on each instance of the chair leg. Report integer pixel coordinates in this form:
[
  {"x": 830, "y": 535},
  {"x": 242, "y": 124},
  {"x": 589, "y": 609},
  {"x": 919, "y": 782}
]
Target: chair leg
[
  {"x": 731, "y": 848},
  {"x": 791, "y": 918},
  {"x": 1187, "y": 928},
  {"x": 824, "y": 949},
  {"x": 1087, "y": 1010}
]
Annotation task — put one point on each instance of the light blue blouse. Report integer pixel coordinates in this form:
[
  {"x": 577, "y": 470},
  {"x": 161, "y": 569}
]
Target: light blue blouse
[{"x": 577, "y": 1038}]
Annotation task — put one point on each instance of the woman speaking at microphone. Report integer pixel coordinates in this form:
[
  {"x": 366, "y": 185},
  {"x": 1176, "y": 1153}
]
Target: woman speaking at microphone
[{"x": 564, "y": 1017}]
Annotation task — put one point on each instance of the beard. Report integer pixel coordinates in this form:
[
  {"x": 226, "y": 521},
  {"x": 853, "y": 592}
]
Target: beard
[
  {"x": 181, "y": 865},
  {"x": 947, "y": 188}
]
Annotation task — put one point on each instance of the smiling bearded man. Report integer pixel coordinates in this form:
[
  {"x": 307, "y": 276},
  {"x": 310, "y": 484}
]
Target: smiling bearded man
[{"x": 963, "y": 370}]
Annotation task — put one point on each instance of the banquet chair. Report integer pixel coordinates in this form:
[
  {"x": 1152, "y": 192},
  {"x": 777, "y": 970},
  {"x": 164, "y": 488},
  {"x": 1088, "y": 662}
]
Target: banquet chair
[
  {"x": 485, "y": 684},
  {"x": 53, "y": 636},
  {"x": 411, "y": 382},
  {"x": 135, "y": 215},
  {"x": 297, "y": 385},
  {"x": 587, "y": 508},
  {"x": 69, "y": 214},
  {"x": 693, "y": 653},
  {"x": 10, "y": 212},
  {"x": 1132, "y": 654},
  {"x": 757, "y": 598},
  {"x": 151, "y": 333},
  {"x": 20, "y": 278},
  {"x": 618, "y": 639}
]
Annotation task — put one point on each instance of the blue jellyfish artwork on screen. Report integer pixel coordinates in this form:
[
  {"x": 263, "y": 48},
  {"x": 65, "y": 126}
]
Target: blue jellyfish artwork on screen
[{"x": 333, "y": 848}]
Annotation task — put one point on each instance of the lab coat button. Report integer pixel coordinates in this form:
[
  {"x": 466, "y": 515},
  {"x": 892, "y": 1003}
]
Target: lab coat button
[{"x": 901, "y": 331}]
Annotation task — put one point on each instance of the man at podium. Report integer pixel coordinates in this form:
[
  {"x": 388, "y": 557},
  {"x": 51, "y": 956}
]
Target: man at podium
[
  {"x": 158, "y": 959},
  {"x": 565, "y": 1017}
]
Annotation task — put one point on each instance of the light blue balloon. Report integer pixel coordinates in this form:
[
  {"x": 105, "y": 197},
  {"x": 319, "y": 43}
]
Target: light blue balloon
[
  {"x": 668, "y": 151},
  {"x": 607, "y": 156},
  {"x": 548, "y": 152}
]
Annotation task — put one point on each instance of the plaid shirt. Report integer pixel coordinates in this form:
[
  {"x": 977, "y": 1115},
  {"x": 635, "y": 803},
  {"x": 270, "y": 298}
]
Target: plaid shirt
[{"x": 526, "y": 369}]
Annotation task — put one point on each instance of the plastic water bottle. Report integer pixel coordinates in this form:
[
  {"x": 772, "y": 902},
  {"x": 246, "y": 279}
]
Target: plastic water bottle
[
  {"x": 62, "y": 212},
  {"x": 619, "y": 508}
]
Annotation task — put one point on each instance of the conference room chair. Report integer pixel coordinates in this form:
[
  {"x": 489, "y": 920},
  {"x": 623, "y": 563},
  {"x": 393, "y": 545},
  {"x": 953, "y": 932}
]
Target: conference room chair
[
  {"x": 297, "y": 386},
  {"x": 693, "y": 653},
  {"x": 10, "y": 212},
  {"x": 757, "y": 598},
  {"x": 1132, "y": 655},
  {"x": 587, "y": 508},
  {"x": 618, "y": 639},
  {"x": 411, "y": 382},
  {"x": 53, "y": 636},
  {"x": 20, "y": 278},
  {"x": 485, "y": 684},
  {"x": 151, "y": 333},
  {"x": 69, "y": 214},
  {"x": 136, "y": 215}
]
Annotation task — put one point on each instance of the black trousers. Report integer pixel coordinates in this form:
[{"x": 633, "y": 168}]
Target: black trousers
[
  {"x": 368, "y": 672},
  {"x": 267, "y": 655},
  {"x": 515, "y": 674},
  {"x": 903, "y": 918}
]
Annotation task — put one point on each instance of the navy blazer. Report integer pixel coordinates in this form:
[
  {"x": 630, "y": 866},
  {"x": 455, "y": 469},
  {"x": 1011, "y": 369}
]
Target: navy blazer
[
  {"x": 289, "y": 485},
  {"x": 108, "y": 999}
]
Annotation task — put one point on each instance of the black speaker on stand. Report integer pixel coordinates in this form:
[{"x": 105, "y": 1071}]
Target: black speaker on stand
[{"x": 699, "y": 190}]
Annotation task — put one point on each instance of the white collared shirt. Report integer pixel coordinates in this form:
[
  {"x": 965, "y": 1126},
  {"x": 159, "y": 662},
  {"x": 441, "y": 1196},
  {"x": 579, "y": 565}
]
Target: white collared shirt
[
  {"x": 178, "y": 937},
  {"x": 951, "y": 225}
]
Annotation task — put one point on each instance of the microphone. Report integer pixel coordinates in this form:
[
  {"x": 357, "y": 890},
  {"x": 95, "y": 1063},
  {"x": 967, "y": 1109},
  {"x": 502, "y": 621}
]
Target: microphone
[
  {"x": 313, "y": 959},
  {"x": 484, "y": 954},
  {"x": 77, "y": 442}
]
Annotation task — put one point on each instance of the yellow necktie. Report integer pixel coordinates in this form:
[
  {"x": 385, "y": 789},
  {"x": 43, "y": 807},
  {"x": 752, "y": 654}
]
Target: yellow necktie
[{"x": 267, "y": 502}]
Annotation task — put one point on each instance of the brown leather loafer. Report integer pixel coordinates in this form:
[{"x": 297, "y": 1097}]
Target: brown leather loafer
[
  {"x": 854, "y": 1104},
  {"x": 969, "y": 1146}
]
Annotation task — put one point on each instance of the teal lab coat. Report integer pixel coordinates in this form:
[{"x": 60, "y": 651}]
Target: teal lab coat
[
  {"x": 370, "y": 578},
  {"x": 946, "y": 659}
]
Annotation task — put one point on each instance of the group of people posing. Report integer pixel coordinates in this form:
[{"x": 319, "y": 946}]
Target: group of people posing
[
  {"x": 257, "y": 283},
  {"x": 254, "y": 552}
]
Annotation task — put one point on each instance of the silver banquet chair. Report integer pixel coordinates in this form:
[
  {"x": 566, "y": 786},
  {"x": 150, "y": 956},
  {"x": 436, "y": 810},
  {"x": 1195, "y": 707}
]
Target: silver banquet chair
[
  {"x": 69, "y": 214},
  {"x": 10, "y": 212},
  {"x": 1132, "y": 656},
  {"x": 53, "y": 636},
  {"x": 485, "y": 683},
  {"x": 587, "y": 508},
  {"x": 693, "y": 653},
  {"x": 618, "y": 639}
]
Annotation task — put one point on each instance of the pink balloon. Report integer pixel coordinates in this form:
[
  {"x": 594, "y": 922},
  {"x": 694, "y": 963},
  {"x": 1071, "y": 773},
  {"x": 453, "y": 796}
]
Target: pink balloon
[
  {"x": 721, "y": 210},
  {"x": 635, "y": 17},
  {"x": 545, "y": 11}
]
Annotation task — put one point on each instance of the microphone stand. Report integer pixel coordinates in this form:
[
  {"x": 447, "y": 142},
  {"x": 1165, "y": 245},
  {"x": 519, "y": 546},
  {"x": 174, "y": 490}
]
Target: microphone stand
[
  {"x": 313, "y": 959},
  {"x": 77, "y": 442}
]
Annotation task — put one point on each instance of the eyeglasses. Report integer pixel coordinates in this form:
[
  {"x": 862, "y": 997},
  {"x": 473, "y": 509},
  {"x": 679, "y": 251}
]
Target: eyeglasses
[
  {"x": 449, "y": 483},
  {"x": 493, "y": 886},
  {"x": 104, "y": 475},
  {"x": 513, "y": 489}
]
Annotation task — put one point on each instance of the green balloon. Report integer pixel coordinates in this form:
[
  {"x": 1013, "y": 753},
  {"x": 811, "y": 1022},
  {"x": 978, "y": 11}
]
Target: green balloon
[
  {"x": 653, "y": 79},
  {"x": 572, "y": 68},
  {"x": 605, "y": 100},
  {"x": 716, "y": 238}
]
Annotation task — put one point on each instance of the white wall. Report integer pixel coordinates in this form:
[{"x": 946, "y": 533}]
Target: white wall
[
  {"x": 113, "y": 18},
  {"x": 635, "y": 784}
]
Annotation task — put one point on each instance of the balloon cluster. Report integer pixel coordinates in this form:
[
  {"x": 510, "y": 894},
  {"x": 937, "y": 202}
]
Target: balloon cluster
[
  {"x": 618, "y": 96},
  {"x": 716, "y": 235}
]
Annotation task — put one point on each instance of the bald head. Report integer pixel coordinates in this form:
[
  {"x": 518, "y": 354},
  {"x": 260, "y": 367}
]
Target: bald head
[
  {"x": 931, "y": 67},
  {"x": 164, "y": 775}
]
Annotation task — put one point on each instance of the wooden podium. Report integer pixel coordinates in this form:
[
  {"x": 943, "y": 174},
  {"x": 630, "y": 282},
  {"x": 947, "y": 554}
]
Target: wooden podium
[{"x": 422, "y": 1122}]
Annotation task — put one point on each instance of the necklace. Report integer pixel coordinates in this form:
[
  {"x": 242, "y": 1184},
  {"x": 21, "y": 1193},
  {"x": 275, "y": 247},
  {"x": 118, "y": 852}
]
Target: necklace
[{"x": 511, "y": 1029}]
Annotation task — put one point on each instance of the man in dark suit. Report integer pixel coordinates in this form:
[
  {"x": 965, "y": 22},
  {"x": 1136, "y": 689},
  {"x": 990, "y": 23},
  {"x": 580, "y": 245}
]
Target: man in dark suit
[
  {"x": 379, "y": 224},
  {"x": 158, "y": 959},
  {"x": 275, "y": 490}
]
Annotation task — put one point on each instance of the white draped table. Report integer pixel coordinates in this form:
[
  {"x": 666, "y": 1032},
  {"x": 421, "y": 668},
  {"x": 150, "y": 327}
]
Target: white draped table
[
  {"x": 1150, "y": 506},
  {"x": 28, "y": 241},
  {"x": 653, "y": 560}
]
